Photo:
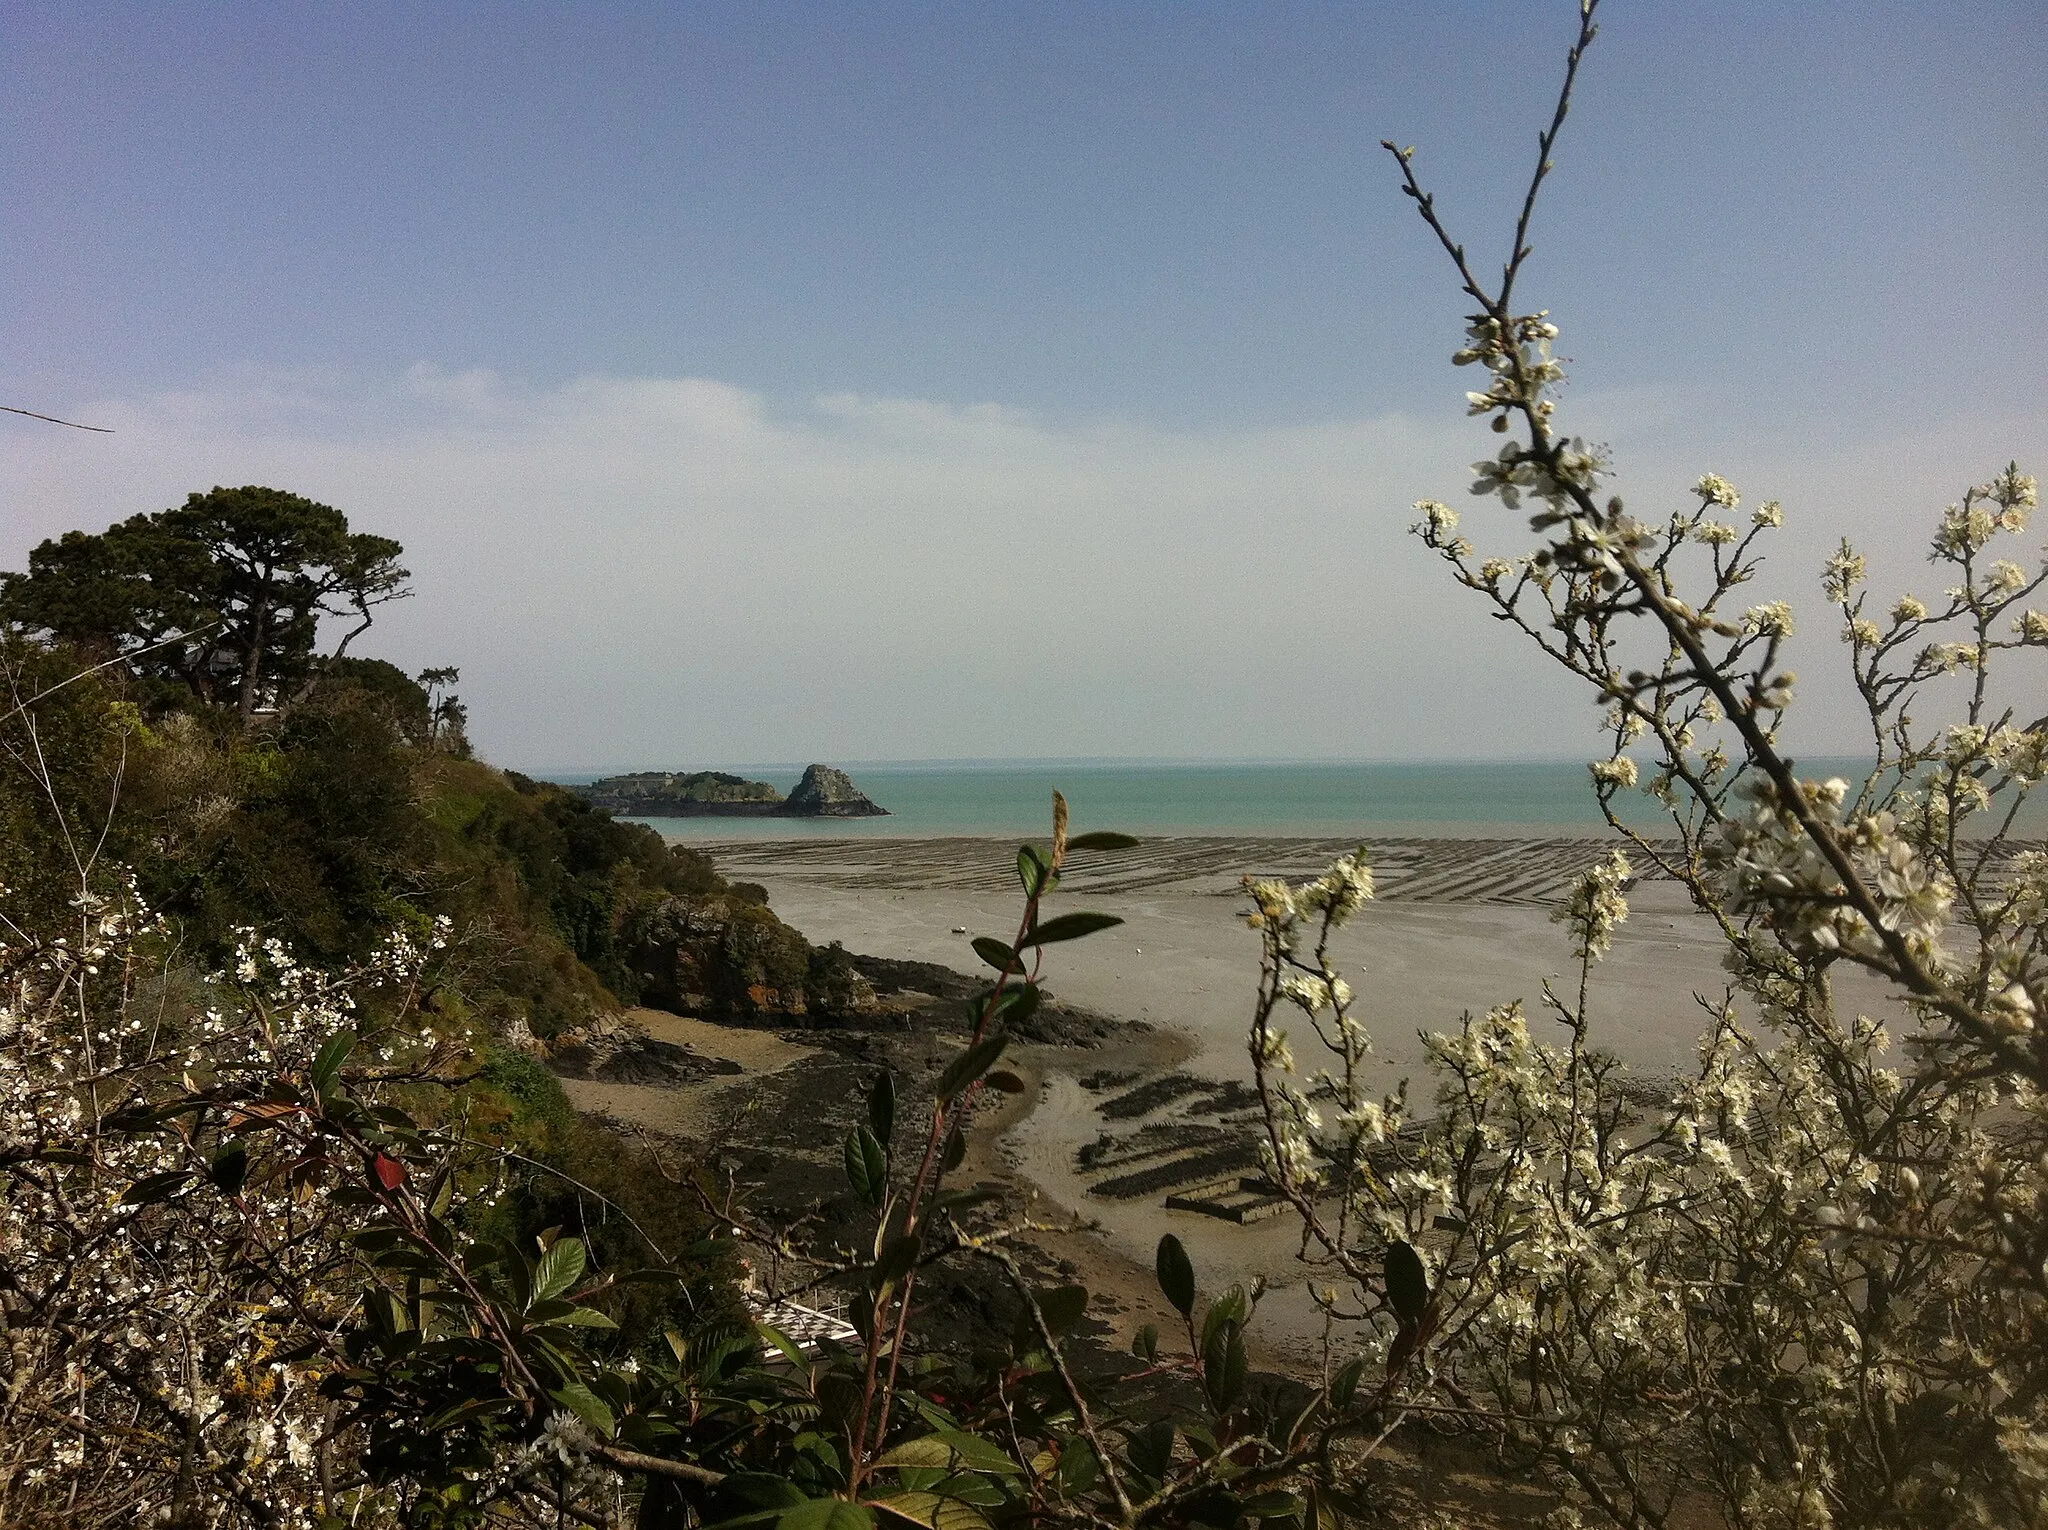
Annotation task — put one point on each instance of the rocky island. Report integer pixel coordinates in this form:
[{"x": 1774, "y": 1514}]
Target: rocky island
[{"x": 822, "y": 793}]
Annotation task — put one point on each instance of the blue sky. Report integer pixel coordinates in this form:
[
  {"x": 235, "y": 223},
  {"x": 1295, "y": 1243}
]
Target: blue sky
[{"x": 725, "y": 367}]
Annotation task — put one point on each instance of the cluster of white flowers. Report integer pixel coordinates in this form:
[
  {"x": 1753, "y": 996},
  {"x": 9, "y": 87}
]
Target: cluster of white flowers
[
  {"x": 153, "y": 1306},
  {"x": 1844, "y": 572},
  {"x": 1766, "y": 862},
  {"x": 1287, "y": 914},
  {"x": 1713, "y": 489},
  {"x": 1596, "y": 906},
  {"x": 1619, "y": 771},
  {"x": 1810, "y": 1280},
  {"x": 1518, "y": 356},
  {"x": 1516, "y": 470},
  {"x": 1771, "y": 619},
  {"x": 1339, "y": 892}
]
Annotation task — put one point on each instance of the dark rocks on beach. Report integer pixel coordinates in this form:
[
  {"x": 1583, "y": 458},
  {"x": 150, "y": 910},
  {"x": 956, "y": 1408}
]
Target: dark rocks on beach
[
  {"x": 731, "y": 959},
  {"x": 615, "y": 1052}
]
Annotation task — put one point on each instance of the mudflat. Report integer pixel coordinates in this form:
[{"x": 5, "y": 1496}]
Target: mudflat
[
  {"x": 1457, "y": 925},
  {"x": 1158, "y": 1132}
]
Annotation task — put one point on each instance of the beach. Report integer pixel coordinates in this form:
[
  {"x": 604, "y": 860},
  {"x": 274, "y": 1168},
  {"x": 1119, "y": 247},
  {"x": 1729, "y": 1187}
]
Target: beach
[{"x": 1151, "y": 1128}]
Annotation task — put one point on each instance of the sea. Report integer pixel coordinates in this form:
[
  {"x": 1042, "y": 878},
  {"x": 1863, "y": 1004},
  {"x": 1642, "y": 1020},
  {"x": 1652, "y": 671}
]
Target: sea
[{"x": 1317, "y": 799}]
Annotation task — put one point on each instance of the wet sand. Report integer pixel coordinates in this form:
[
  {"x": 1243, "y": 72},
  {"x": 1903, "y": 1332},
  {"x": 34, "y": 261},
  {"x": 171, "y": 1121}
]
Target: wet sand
[
  {"x": 1458, "y": 925},
  {"x": 1113, "y": 1134}
]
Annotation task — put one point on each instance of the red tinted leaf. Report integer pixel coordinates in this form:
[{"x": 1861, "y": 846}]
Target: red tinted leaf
[{"x": 389, "y": 1171}]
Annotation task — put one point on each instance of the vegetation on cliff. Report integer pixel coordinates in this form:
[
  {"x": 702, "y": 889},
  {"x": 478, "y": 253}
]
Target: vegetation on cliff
[
  {"x": 299, "y": 1239},
  {"x": 217, "y": 866}
]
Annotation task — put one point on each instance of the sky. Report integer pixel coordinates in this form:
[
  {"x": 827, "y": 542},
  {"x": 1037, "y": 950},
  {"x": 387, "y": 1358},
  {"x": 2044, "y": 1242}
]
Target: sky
[{"x": 775, "y": 383}]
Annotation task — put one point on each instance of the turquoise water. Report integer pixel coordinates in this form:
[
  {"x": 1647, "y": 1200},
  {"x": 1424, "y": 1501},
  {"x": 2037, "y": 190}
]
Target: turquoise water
[{"x": 1316, "y": 799}]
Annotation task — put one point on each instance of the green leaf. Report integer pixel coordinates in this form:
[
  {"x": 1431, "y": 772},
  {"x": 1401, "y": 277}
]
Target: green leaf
[
  {"x": 1407, "y": 1282},
  {"x": 1233, "y": 1306},
  {"x": 955, "y": 1151},
  {"x": 587, "y": 1406},
  {"x": 1224, "y": 1365},
  {"x": 329, "y": 1062},
  {"x": 1015, "y": 1004},
  {"x": 976, "y": 1454},
  {"x": 898, "y": 1257},
  {"x": 827, "y": 1514},
  {"x": 996, "y": 954},
  {"x": 559, "y": 1269},
  {"x": 970, "y": 1065},
  {"x": 1145, "y": 1343},
  {"x": 474, "y": 1407},
  {"x": 762, "y": 1489},
  {"x": 649, "y": 1275},
  {"x": 917, "y": 1506},
  {"x": 1070, "y": 927},
  {"x": 783, "y": 1342},
  {"x": 949, "y": 1450},
  {"x": 1006, "y": 1081},
  {"x": 1344, "y": 1385},
  {"x": 1151, "y": 1449},
  {"x": 952, "y": 1514},
  {"x": 882, "y": 1106},
  {"x": 934, "y": 1511},
  {"x": 1101, "y": 839},
  {"x": 1275, "y": 1505},
  {"x": 867, "y": 1166},
  {"x": 758, "y": 1490},
  {"x": 1176, "y": 1274},
  {"x": 230, "y": 1168},
  {"x": 1032, "y": 869},
  {"x": 1062, "y": 1306},
  {"x": 925, "y": 1451},
  {"x": 1078, "y": 1468},
  {"x": 584, "y": 1317},
  {"x": 157, "y": 1187}
]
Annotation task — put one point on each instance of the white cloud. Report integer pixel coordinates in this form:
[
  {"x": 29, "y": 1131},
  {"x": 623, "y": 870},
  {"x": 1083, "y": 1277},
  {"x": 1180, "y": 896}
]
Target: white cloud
[{"x": 672, "y": 571}]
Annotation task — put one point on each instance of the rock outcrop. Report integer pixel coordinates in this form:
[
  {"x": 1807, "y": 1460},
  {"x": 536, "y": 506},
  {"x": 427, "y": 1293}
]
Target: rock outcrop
[
  {"x": 828, "y": 793},
  {"x": 727, "y": 958},
  {"x": 823, "y": 793}
]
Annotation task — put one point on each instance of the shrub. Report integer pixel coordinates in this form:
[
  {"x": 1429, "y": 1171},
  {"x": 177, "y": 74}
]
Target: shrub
[{"x": 1811, "y": 1284}]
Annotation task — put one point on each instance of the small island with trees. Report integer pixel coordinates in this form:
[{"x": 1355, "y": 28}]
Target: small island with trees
[{"x": 822, "y": 793}]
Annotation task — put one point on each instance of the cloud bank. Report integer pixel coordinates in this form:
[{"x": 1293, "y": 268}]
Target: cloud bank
[{"x": 643, "y": 572}]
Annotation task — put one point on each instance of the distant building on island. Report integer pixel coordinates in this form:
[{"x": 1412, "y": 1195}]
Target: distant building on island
[{"x": 822, "y": 793}]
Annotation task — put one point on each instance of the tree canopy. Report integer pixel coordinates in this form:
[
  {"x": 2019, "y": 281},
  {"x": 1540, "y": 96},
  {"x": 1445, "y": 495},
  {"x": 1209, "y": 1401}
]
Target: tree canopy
[{"x": 223, "y": 594}]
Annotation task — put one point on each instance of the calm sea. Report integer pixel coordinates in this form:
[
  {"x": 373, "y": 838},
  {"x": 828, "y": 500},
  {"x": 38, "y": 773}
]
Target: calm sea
[{"x": 1319, "y": 800}]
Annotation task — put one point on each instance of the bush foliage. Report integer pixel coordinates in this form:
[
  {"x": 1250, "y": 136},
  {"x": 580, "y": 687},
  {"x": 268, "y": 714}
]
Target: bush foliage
[{"x": 297, "y": 1228}]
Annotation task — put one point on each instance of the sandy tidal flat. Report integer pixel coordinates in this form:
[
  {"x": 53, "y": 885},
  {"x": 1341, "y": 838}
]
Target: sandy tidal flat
[{"x": 1459, "y": 926}]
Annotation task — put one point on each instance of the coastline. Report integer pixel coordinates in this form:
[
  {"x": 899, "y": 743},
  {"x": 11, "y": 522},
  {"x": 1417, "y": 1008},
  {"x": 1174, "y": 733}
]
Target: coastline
[
  {"x": 1141, "y": 1124},
  {"x": 1460, "y": 925}
]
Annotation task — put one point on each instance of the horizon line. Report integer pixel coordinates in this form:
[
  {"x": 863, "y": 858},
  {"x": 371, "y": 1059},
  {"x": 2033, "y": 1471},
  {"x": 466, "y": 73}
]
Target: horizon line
[{"x": 1032, "y": 762}]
